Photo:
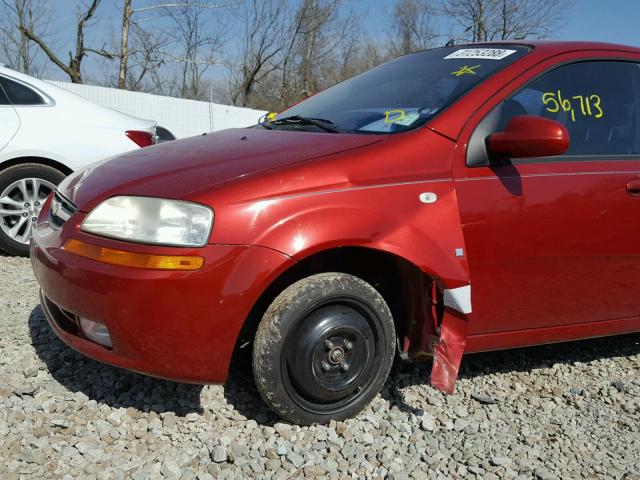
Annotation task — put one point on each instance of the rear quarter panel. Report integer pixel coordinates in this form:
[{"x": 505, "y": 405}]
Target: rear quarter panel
[
  {"x": 70, "y": 130},
  {"x": 75, "y": 138}
]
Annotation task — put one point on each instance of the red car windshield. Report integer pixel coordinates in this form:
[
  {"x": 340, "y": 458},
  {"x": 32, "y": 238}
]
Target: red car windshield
[{"x": 402, "y": 94}]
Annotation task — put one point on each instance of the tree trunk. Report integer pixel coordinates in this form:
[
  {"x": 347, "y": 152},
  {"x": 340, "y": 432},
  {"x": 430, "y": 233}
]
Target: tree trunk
[
  {"x": 309, "y": 47},
  {"x": 481, "y": 31},
  {"x": 21, "y": 8},
  {"x": 505, "y": 20},
  {"x": 24, "y": 54},
  {"x": 124, "y": 45}
]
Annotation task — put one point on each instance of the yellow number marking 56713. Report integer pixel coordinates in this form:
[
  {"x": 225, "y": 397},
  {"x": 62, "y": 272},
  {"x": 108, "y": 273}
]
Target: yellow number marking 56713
[{"x": 555, "y": 102}]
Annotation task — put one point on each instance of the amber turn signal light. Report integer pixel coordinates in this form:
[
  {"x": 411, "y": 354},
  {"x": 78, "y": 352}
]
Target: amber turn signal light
[{"x": 131, "y": 259}]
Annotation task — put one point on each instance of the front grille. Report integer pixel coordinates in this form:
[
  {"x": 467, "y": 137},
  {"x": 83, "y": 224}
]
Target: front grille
[{"x": 61, "y": 210}]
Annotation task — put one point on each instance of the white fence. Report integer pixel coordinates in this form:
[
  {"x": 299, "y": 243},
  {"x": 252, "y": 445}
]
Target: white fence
[{"x": 184, "y": 118}]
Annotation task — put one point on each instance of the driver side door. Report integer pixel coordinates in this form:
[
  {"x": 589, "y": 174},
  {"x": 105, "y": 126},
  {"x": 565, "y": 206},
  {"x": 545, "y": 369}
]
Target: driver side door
[{"x": 554, "y": 241}]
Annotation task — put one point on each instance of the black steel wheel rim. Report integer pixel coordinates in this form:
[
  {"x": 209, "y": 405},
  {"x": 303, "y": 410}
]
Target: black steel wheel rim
[{"x": 333, "y": 354}]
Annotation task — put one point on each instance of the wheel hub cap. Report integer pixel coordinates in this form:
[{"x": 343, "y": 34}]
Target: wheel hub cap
[
  {"x": 20, "y": 205},
  {"x": 336, "y": 355},
  {"x": 334, "y": 352}
]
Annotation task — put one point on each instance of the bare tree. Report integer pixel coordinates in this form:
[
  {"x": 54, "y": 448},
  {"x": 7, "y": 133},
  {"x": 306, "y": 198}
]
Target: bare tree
[
  {"x": 15, "y": 45},
  {"x": 473, "y": 15},
  {"x": 262, "y": 43},
  {"x": 73, "y": 67},
  {"x": 145, "y": 56},
  {"x": 526, "y": 18},
  {"x": 489, "y": 20},
  {"x": 198, "y": 36},
  {"x": 314, "y": 17},
  {"x": 149, "y": 51},
  {"x": 322, "y": 42},
  {"x": 367, "y": 54},
  {"x": 412, "y": 26}
]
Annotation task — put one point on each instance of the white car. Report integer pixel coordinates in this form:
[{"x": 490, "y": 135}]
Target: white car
[{"x": 47, "y": 132}]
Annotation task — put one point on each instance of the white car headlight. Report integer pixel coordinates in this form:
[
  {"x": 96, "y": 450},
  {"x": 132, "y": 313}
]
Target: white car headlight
[{"x": 151, "y": 220}]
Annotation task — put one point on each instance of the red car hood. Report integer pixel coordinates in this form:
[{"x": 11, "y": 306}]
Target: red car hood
[{"x": 175, "y": 169}]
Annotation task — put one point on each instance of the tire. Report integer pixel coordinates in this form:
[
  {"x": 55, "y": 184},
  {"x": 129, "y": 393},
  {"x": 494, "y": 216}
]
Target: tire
[
  {"x": 323, "y": 349},
  {"x": 26, "y": 199}
]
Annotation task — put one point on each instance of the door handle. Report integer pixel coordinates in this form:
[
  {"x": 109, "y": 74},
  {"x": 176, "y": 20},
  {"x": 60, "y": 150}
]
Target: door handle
[{"x": 633, "y": 187}]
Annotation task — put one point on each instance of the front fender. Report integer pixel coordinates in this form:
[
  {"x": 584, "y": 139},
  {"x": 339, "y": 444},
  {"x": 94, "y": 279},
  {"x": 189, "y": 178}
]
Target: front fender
[
  {"x": 391, "y": 218},
  {"x": 398, "y": 218}
]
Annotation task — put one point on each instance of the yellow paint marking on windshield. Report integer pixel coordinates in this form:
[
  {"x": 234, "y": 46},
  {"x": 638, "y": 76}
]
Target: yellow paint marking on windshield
[
  {"x": 554, "y": 102},
  {"x": 391, "y": 116},
  {"x": 466, "y": 70}
]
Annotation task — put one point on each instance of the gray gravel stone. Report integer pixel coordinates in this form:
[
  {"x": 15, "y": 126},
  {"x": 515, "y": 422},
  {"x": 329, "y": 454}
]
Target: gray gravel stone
[
  {"x": 296, "y": 459},
  {"x": 428, "y": 423},
  {"x": 60, "y": 422},
  {"x": 486, "y": 399},
  {"x": 564, "y": 411},
  {"x": 619, "y": 386},
  {"x": 219, "y": 454},
  {"x": 171, "y": 469},
  {"x": 311, "y": 471}
]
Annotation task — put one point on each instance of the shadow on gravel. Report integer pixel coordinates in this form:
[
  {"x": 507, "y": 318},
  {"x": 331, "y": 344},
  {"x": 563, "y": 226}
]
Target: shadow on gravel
[
  {"x": 120, "y": 388},
  {"x": 520, "y": 360},
  {"x": 105, "y": 384},
  {"x": 241, "y": 393}
]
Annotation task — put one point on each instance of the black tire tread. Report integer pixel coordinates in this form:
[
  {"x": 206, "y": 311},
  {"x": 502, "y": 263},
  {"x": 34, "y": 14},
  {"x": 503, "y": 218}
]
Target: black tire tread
[{"x": 270, "y": 332}]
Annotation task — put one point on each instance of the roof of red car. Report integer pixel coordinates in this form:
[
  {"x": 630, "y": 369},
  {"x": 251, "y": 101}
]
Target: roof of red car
[{"x": 564, "y": 46}]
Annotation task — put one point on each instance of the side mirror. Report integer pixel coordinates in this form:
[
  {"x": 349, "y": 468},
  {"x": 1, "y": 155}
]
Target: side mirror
[{"x": 528, "y": 136}]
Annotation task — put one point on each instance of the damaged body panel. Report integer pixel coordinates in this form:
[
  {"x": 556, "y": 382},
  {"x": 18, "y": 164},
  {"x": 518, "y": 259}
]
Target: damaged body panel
[
  {"x": 439, "y": 332},
  {"x": 392, "y": 217},
  {"x": 448, "y": 352}
]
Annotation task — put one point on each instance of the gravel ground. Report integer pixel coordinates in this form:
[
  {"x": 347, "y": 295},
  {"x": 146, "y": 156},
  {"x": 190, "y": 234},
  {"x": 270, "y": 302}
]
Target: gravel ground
[{"x": 563, "y": 411}]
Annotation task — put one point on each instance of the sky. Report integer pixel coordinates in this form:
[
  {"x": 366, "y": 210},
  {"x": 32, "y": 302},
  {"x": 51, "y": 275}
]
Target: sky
[
  {"x": 613, "y": 21},
  {"x": 599, "y": 20},
  {"x": 603, "y": 20}
]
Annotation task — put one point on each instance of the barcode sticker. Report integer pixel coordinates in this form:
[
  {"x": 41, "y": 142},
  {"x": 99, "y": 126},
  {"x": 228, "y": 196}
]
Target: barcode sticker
[{"x": 483, "y": 53}]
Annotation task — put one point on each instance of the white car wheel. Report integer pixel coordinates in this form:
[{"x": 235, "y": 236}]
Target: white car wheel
[{"x": 24, "y": 189}]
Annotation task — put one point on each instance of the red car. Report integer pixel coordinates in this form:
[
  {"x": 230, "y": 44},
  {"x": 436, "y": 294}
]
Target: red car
[{"x": 454, "y": 200}]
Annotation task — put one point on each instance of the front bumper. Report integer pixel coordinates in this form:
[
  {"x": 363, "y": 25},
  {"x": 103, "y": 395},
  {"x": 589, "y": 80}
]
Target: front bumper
[{"x": 171, "y": 324}]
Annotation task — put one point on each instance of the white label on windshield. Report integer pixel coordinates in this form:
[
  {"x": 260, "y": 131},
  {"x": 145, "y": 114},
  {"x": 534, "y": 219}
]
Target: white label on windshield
[{"x": 484, "y": 53}]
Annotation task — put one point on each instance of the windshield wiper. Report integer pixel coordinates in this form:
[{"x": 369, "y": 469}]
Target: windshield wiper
[{"x": 321, "y": 123}]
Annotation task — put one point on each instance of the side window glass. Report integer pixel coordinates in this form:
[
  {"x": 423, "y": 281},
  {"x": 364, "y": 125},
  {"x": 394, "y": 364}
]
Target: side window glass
[
  {"x": 597, "y": 102},
  {"x": 18, "y": 94},
  {"x": 3, "y": 97}
]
